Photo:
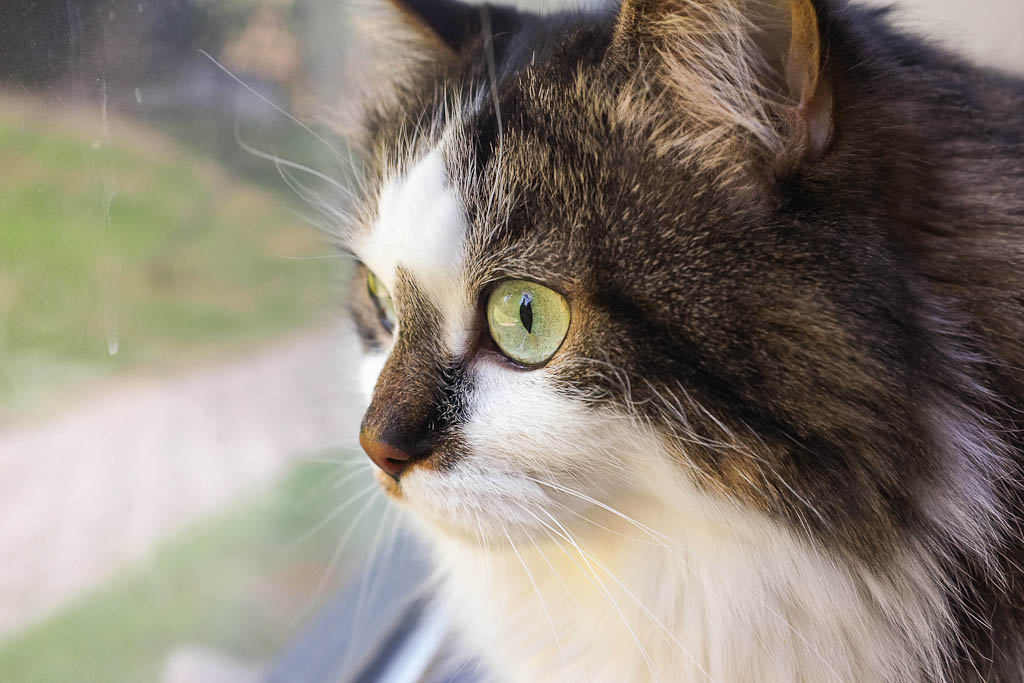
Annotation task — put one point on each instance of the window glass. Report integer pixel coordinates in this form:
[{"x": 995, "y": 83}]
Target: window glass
[{"x": 176, "y": 497}]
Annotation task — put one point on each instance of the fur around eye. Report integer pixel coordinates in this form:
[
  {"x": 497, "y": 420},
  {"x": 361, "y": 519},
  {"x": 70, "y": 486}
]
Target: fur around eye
[
  {"x": 527, "y": 321},
  {"x": 382, "y": 301}
]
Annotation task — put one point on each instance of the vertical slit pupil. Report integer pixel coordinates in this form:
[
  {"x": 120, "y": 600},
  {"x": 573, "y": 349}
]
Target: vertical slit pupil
[{"x": 526, "y": 312}]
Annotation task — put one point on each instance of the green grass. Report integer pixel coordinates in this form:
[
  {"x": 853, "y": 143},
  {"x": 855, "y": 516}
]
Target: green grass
[
  {"x": 233, "y": 584},
  {"x": 135, "y": 254}
]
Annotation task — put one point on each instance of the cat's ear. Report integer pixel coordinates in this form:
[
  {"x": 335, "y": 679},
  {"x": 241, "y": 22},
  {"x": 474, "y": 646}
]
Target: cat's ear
[
  {"x": 442, "y": 30},
  {"x": 740, "y": 76},
  {"x": 443, "y": 26},
  {"x": 396, "y": 46},
  {"x": 414, "y": 31},
  {"x": 391, "y": 46}
]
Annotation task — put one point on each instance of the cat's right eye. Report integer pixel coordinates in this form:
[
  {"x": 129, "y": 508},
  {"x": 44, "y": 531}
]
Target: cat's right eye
[
  {"x": 527, "y": 321},
  {"x": 382, "y": 301}
]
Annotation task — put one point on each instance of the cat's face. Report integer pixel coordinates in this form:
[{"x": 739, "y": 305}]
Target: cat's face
[
  {"x": 497, "y": 370},
  {"x": 581, "y": 286}
]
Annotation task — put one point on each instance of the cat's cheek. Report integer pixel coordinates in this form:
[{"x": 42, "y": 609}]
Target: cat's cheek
[
  {"x": 519, "y": 422},
  {"x": 530, "y": 453},
  {"x": 369, "y": 371}
]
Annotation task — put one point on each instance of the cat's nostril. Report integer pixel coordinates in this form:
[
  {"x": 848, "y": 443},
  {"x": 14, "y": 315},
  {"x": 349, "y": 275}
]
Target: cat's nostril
[{"x": 385, "y": 456}]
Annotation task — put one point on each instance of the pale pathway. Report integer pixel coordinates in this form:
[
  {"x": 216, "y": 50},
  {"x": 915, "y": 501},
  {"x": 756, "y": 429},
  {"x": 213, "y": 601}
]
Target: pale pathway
[{"x": 98, "y": 487}]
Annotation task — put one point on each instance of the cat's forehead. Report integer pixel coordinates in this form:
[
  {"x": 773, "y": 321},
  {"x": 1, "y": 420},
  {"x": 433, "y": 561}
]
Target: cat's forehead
[
  {"x": 420, "y": 234},
  {"x": 420, "y": 224},
  {"x": 461, "y": 178},
  {"x": 531, "y": 191}
]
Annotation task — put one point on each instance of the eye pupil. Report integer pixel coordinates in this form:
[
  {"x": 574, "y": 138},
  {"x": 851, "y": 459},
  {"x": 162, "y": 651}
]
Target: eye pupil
[{"x": 526, "y": 311}]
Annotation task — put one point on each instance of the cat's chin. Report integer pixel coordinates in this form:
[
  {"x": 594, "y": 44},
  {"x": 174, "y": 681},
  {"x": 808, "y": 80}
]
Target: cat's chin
[
  {"x": 449, "y": 505},
  {"x": 489, "y": 538},
  {"x": 451, "y": 532}
]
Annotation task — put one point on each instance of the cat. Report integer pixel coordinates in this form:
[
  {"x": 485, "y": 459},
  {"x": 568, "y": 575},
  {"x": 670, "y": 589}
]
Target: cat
[{"x": 694, "y": 338}]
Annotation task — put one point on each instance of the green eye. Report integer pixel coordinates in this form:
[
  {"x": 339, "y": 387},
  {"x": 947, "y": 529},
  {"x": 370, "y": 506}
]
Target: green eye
[
  {"x": 382, "y": 300},
  {"x": 527, "y": 321}
]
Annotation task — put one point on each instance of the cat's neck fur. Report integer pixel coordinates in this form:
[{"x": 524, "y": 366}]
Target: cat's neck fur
[{"x": 706, "y": 591}]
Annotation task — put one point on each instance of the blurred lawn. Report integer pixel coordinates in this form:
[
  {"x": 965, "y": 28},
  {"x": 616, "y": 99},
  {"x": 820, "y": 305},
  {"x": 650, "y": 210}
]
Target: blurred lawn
[
  {"x": 121, "y": 250},
  {"x": 233, "y": 583}
]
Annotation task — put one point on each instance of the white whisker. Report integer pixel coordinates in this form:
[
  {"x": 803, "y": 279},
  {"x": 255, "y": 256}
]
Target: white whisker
[
  {"x": 540, "y": 597},
  {"x": 332, "y": 483},
  {"x": 604, "y": 589},
  {"x": 332, "y": 564},
  {"x": 369, "y": 581},
  {"x": 270, "y": 104},
  {"x": 330, "y": 517},
  {"x": 662, "y": 540},
  {"x": 279, "y": 161}
]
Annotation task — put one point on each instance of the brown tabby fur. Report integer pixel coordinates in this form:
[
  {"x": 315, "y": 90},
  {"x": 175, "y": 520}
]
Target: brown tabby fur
[{"x": 812, "y": 246}]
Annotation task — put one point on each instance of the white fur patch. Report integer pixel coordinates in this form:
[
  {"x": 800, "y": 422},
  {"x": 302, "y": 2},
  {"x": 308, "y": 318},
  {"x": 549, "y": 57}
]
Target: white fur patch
[
  {"x": 726, "y": 596},
  {"x": 574, "y": 547},
  {"x": 421, "y": 227}
]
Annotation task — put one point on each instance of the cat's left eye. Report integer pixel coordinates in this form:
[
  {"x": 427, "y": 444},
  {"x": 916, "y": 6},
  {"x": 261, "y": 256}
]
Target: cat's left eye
[
  {"x": 382, "y": 301},
  {"x": 527, "y": 321}
]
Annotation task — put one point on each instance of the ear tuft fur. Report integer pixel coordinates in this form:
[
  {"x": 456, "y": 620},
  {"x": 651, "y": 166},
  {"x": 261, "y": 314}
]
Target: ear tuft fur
[
  {"x": 735, "y": 82},
  {"x": 447, "y": 25},
  {"x": 805, "y": 81},
  {"x": 398, "y": 43}
]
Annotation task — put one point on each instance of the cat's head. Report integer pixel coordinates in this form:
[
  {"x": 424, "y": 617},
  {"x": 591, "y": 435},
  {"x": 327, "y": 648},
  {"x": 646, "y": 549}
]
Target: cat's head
[{"x": 645, "y": 254}]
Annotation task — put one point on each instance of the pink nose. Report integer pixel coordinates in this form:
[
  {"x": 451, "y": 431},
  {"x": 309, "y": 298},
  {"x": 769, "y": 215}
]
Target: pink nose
[{"x": 385, "y": 456}]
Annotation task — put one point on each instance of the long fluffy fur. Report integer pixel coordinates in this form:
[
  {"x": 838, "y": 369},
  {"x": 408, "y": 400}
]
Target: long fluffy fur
[{"x": 781, "y": 440}]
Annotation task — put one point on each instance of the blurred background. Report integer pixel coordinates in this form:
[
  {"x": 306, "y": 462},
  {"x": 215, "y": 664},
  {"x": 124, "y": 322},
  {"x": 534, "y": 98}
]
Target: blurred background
[
  {"x": 175, "y": 483},
  {"x": 179, "y": 494}
]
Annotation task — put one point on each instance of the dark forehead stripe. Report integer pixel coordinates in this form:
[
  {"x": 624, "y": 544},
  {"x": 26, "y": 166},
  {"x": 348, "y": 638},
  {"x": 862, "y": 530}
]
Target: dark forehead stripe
[
  {"x": 551, "y": 131},
  {"x": 516, "y": 48},
  {"x": 420, "y": 318}
]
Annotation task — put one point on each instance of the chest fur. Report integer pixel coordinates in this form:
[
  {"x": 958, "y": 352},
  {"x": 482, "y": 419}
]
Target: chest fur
[{"x": 724, "y": 603}]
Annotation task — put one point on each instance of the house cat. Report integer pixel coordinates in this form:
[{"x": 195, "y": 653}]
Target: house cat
[{"x": 695, "y": 338}]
